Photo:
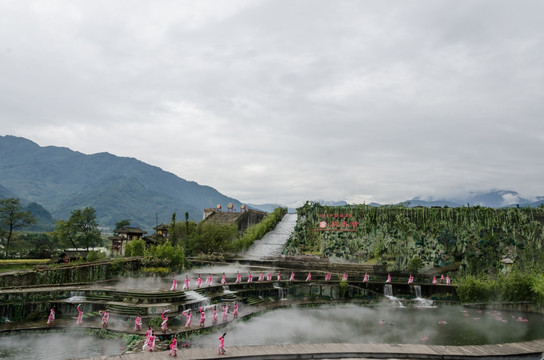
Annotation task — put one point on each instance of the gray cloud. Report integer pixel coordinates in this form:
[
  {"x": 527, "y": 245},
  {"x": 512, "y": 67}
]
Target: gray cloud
[{"x": 273, "y": 101}]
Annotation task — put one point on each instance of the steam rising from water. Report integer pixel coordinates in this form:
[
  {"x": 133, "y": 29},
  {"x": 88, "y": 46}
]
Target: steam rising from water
[
  {"x": 357, "y": 324},
  {"x": 56, "y": 347}
]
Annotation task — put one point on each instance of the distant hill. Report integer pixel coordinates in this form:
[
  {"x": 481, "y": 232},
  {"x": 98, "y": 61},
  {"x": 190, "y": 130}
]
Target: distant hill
[{"x": 62, "y": 180}]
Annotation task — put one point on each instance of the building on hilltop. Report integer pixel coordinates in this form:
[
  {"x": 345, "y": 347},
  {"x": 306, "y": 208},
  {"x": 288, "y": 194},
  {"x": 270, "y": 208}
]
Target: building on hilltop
[
  {"x": 242, "y": 219},
  {"x": 122, "y": 236}
]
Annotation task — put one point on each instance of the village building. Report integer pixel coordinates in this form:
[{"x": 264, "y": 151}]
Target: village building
[
  {"x": 122, "y": 237},
  {"x": 243, "y": 219}
]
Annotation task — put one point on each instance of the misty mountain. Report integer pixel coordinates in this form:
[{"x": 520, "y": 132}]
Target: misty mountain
[{"x": 62, "y": 180}]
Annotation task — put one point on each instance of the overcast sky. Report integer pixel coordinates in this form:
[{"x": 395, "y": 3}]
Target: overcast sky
[{"x": 284, "y": 101}]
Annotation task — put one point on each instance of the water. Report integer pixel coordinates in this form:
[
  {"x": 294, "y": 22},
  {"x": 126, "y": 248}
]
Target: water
[
  {"x": 421, "y": 302},
  {"x": 57, "y": 347},
  {"x": 281, "y": 291},
  {"x": 388, "y": 293},
  {"x": 274, "y": 241},
  {"x": 349, "y": 323}
]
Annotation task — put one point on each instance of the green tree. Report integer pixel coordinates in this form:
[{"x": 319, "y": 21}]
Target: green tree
[
  {"x": 122, "y": 223},
  {"x": 81, "y": 229},
  {"x": 12, "y": 218},
  {"x": 135, "y": 247}
]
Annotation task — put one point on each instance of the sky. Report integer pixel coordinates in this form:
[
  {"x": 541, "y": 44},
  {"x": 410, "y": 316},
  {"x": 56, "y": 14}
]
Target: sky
[{"x": 284, "y": 101}]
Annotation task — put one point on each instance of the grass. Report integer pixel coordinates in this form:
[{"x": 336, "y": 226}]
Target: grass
[{"x": 21, "y": 264}]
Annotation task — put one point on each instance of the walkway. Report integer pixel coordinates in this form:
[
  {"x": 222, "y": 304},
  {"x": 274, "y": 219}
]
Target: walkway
[{"x": 528, "y": 350}]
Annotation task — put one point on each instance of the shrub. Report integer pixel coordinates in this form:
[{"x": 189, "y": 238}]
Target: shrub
[
  {"x": 537, "y": 287},
  {"x": 473, "y": 289},
  {"x": 135, "y": 247},
  {"x": 95, "y": 255}
]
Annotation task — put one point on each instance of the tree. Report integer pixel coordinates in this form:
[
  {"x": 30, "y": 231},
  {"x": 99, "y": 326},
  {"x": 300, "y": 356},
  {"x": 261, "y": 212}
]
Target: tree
[
  {"x": 13, "y": 218},
  {"x": 81, "y": 230},
  {"x": 122, "y": 223}
]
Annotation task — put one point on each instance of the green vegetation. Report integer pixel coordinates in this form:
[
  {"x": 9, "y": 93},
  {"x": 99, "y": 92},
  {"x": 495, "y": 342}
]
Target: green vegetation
[
  {"x": 80, "y": 230},
  {"x": 12, "y": 218},
  {"x": 257, "y": 231}
]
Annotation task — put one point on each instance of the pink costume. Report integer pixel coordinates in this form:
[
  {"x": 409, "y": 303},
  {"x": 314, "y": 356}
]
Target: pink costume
[
  {"x": 309, "y": 277},
  {"x": 448, "y": 281},
  {"x": 173, "y": 347},
  {"x": 269, "y": 277},
  {"x": 279, "y": 276},
  {"x": 148, "y": 334},
  {"x": 261, "y": 276},
  {"x": 345, "y": 277},
  {"x": 434, "y": 280},
  {"x": 225, "y": 310},
  {"x": 327, "y": 276},
  {"x": 209, "y": 280},
  {"x": 410, "y": 279},
  {"x": 388, "y": 278},
  {"x": 292, "y": 277},
  {"x": 174, "y": 285},
  {"x": 366, "y": 278},
  {"x": 164, "y": 324},
  {"x": 189, "y": 316},
  {"x": 214, "y": 316},
  {"x": 238, "y": 278},
  {"x": 51, "y": 318},
  {"x": 198, "y": 282},
  {"x": 221, "y": 349},
  {"x": 138, "y": 323},
  {"x": 187, "y": 283},
  {"x": 249, "y": 277},
  {"x": 223, "y": 280},
  {"x": 105, "y": 318},
  {"x": 151, "y": 341},
  {"x": 202, "y": 316},
  {"x": 79, "y": 316},
  {"x": 235, "y": 312},
  {"x": 441, "y": 277}
]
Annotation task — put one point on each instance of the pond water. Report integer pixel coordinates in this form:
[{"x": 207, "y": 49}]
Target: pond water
[
  {"x": 358, "y": 324},
  {"x": 43, "y": 346}
]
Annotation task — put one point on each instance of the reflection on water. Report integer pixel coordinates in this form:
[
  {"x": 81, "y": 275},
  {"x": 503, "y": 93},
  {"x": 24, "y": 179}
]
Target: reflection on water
[
  {"x": 357, "y": 324},
  {"x": 56, "y": 347}
]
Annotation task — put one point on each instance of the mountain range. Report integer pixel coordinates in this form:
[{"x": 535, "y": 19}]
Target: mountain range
[
  {"x": 52, "y": 181},
  {"x": 61, "y": 180}
]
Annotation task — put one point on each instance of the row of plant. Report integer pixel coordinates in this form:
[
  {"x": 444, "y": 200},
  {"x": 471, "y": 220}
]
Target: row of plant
[{"x": 476, "y": 238}]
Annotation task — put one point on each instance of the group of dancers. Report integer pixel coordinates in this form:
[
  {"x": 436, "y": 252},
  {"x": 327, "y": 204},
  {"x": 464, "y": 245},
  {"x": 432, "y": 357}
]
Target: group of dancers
[{"x": 268, "y": 277}]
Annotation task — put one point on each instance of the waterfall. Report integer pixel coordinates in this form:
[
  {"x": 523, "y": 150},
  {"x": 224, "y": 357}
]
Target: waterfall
[
  {"x": 388, "y": 293},
  {"x": 76, "y": 296},
  {"x": 421, "y": 302},
  {"x": 195, "y": 297},
  {"x": 274, "y": 241},
  {"x": 281, "y": 291}
]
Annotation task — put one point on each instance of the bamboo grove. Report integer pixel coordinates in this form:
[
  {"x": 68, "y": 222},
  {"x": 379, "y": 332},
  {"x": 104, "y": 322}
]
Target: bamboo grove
[{"x": 475, "y": 238}]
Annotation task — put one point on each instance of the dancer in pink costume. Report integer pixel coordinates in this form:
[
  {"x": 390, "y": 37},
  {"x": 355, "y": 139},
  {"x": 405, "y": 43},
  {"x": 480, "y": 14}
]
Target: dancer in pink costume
[
  {"x": 148, "y": 334},
  {"x": 174, "y": 285},
  {"x": 345, "y": 277},
  {"x": 189, "y": 316},
  {"x": 105, "y": 317},
  {"x": 138, "y": 323},
  {"x": 366, "y": 278},
  {"x": 164, "y": 324},
  {"x": 152, "y": 338},
  {"x": 388, "y": 278},
  {"x": 448, "y": 280},
  {"x": 209, "y": 280},
  {"x": 238, "y": 277},
  {"x": 434, "y": 280},
  {"x": 328, "y": 276},
  {"x": 261, "y": 276},
  {"x": 225, "y": 310},
  {"x": 186, "y": 283},
  {"x": 174, "y": 346},
  {"x": 279, "y": 276},
  {"x": 249, "y": 277},
  {"x": 292, "y": 277},
  {"x": 235, "y": 312},
  {"x": 79, "y": 320},
  {"x": 309, "y": 277},
  {"x": 221, "y": 348},
  {"x": 51, "y": 318},
  {"x": 214, "y": 315},
  {"x": 410, "y": 279},
  {"x": 269, "y": 277},
  {"x": 198, "y": 281},
  {"x": 202, "y": 316},
  {"x": 442, "y": 278},
  {"x": 223, "y": 279}
]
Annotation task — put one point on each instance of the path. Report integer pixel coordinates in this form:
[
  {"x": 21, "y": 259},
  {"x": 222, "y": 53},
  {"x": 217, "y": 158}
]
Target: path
[
  {"x": 527, "y": 350},
  {"x": 274, "y": 241}
]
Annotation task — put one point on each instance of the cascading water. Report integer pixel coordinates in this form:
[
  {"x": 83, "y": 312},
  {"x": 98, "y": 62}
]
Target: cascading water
[
  {"x": 196, "y": 298},
  {"x": 281, "y": 291},
  {"x": 76, "y": 296},
  {"x": 421, "y": 302},
  {"x": 388, "y": 293},
  {"x": 274, "y": 241}
]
